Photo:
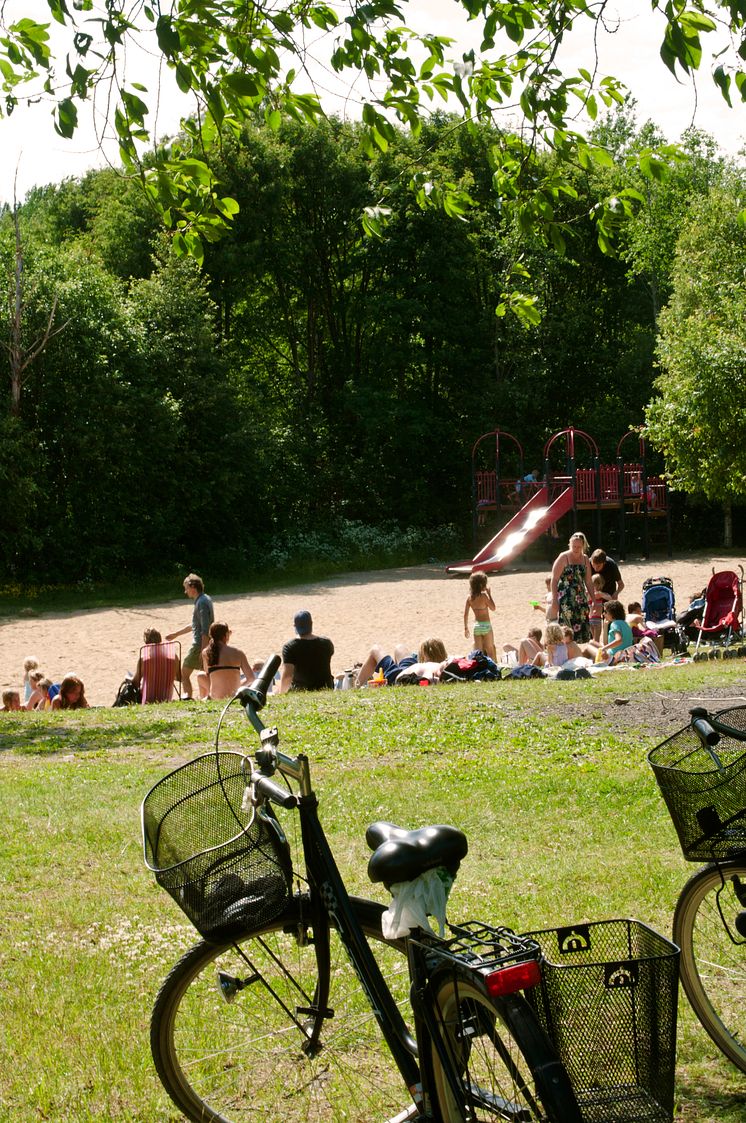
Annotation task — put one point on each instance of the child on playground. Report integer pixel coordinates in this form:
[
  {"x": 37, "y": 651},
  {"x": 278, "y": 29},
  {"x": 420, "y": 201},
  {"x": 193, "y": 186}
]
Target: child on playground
[
  {"x": 600, "y": 598},
  {"x": 480, "y": 602}
]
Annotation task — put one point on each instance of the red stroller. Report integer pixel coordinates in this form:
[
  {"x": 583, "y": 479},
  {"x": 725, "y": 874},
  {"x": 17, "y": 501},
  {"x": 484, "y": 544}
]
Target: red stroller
[{"x": 723, "y": 608}]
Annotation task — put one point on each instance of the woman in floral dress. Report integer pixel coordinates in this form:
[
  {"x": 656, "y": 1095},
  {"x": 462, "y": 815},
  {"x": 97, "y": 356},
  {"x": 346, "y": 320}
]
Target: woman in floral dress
[{"x": 572, "y": 589}]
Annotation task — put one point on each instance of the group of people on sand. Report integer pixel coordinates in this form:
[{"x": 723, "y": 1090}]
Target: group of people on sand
[
  {"x": 161, "y": 674},
  {"x": 585, "y": 620},
  {"x": 40, "y": 693},
  {"x": 220, "y": 666}
]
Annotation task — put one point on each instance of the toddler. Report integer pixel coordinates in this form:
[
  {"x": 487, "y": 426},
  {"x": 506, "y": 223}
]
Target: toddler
[
  {"x": 30, "y": 663},
  {"x": 600, "y": 598}
]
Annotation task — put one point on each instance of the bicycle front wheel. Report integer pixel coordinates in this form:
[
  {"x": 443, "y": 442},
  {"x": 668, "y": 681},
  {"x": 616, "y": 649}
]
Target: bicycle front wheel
[
  {"x": 502, "y": 1065},
  {"x": 229, "y": 1027},
  {"x": 713, "y": 961}
]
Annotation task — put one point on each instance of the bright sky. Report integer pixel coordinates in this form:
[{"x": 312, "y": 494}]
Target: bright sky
[{"x": 629, "y": 50}]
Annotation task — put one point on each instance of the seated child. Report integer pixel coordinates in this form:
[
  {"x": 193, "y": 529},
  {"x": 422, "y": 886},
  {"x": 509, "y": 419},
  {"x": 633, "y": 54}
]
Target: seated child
[
  {"x": 528, "y": 649},
  {"x": 530, "y": 646},
  {"x": 39, "y": 696},
  {"x": 555, "y": 648},
  {"x": 578, "y": 650},
  {"x": 640, "y": 627},
  {"x": 11, "y": 701},
  {"x": 620, "y": 634}
]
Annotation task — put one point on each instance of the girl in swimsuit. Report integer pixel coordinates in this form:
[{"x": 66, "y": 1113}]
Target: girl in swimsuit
[
  {"x": 480, "y": 602},
  {"x": 223, "y": 665}
]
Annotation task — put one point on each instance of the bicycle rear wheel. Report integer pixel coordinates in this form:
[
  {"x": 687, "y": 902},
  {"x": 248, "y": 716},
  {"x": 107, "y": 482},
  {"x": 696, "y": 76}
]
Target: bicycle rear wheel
[
  {"x": 503, "y": 1063},
  {"x": 238, "y": 1060},
  {"x": 713, "y": 966}
]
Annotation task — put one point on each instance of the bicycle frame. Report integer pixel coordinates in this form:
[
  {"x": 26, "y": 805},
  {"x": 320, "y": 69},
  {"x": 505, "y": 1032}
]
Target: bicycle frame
[{"x": 331, "y": 906}]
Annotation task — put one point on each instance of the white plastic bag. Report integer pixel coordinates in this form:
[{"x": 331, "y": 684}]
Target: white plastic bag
[{"x": 414, "y": 901}]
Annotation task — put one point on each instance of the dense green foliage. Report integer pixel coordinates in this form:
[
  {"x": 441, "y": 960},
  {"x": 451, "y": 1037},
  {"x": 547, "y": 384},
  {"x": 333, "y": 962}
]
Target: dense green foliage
[
  {"x": 700, "y": 417},
  {"x": 311, "y": 392}
]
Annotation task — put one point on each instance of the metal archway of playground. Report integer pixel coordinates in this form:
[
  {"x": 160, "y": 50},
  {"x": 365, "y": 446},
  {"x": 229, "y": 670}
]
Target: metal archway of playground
[{"x": 532, "y": 506}]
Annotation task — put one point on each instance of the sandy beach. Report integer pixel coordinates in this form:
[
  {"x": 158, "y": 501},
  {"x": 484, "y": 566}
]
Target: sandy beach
[{"x": 356, "y": 610}]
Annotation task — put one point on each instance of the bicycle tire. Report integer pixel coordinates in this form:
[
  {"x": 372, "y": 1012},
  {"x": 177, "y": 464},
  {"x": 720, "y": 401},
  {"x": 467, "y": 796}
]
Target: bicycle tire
[
  {"x": 504, "y": 1064},
  {"x": 713, "y": 968},
  {"x": 229, "y": 1063}
]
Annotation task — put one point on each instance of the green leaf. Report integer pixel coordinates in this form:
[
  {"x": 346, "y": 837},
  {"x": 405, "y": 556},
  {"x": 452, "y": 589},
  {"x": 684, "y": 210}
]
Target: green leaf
[
  {"x": 556, "y": 238},
  {"x": 227, "y": 206},
  {"x": 196, "y": 170},
  {"x": 244, "y": 85},
  {"x": 194, "y": 246},
  {"x": 183, "y": 78},
  {"x": 722, "y": 81},
  {"x": 374, "y": 220},
  {"x": 168, "y": 37},
  {"x": 66, "y": 118}
]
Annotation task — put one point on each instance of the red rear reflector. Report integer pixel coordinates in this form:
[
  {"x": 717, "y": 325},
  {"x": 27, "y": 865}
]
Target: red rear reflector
[{"x": 519, "y": 976}]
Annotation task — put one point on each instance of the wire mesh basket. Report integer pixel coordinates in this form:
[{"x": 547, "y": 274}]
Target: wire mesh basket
[
  {"x": 608, "y": 1001},
  {"x": 228, "y": 870},
  {"x": 704, "y": 786}
]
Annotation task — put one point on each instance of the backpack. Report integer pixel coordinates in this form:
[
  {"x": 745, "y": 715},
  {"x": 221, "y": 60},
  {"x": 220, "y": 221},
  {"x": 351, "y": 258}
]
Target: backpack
[
  {"x": 526, "y": 670},
  {"x": 128, "y": 694},
  {"x": 475, "y": 667}
]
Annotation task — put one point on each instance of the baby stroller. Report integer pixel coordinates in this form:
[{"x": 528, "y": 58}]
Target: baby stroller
[
  {"x": 659, "y": 611},
  {"x": 721, "y": 618}
]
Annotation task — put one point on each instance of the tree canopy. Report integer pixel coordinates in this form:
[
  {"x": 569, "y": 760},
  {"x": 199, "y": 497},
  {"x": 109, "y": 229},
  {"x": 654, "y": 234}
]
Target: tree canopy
[
  {"x": 698, "y": 418},
  {"x": 310, "y": 390},
  {"x": 239, "y": 58}
]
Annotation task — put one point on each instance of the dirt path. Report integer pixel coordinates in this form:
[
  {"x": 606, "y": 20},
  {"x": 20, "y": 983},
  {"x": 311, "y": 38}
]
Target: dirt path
[{"x": 355, "y": 610}]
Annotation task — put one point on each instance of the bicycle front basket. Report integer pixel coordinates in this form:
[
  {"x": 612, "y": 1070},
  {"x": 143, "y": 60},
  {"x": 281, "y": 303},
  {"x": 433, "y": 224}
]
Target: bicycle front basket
[
  {"x": 228, "y": 870},
  {"x": 705, "y": 787}
]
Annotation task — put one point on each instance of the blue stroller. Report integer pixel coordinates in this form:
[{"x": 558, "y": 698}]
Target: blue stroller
[{"x": 659, "y": 610}]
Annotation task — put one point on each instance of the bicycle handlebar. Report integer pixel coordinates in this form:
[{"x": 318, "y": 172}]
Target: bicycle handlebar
[
  {"x": 708, "y": 735},
  {"x": 255, "y": 695},
  {"x": 268, "y": 789}
]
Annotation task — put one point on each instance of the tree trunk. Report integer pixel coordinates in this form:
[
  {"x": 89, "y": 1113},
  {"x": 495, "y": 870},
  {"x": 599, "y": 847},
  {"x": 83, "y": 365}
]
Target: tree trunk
[
  {"x": 16, "y": 347},
  {"x": 727, "y": 524}
]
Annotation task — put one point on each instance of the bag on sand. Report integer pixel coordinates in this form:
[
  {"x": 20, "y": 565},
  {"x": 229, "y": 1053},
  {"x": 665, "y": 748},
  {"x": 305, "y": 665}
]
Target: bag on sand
[{"x": 128, "y": 694}]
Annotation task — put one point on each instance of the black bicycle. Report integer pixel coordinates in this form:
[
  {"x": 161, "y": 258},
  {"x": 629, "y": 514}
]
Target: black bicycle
[
  {"x": 294, "y": 1006},
  {"x": 701, "y": 771}
]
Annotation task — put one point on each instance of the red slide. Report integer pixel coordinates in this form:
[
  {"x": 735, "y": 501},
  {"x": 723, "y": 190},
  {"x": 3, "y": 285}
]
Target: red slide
[{"x": 533, "y": 519}]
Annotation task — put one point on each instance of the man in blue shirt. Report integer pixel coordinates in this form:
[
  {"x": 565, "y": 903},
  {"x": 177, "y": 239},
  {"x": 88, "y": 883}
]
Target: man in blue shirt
[{"x": 203, "y": 615}]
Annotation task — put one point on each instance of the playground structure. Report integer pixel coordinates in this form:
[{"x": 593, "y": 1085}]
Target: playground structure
[{"x": 532, "y": 506}]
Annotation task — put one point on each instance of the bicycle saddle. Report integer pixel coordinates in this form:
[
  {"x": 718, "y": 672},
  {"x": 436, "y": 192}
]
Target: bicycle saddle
[{"x": 401, "y": 855}]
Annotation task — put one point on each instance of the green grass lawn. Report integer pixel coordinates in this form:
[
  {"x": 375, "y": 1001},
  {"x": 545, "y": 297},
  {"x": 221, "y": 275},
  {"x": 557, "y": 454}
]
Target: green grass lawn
[{"x": 549, "y": 781}]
